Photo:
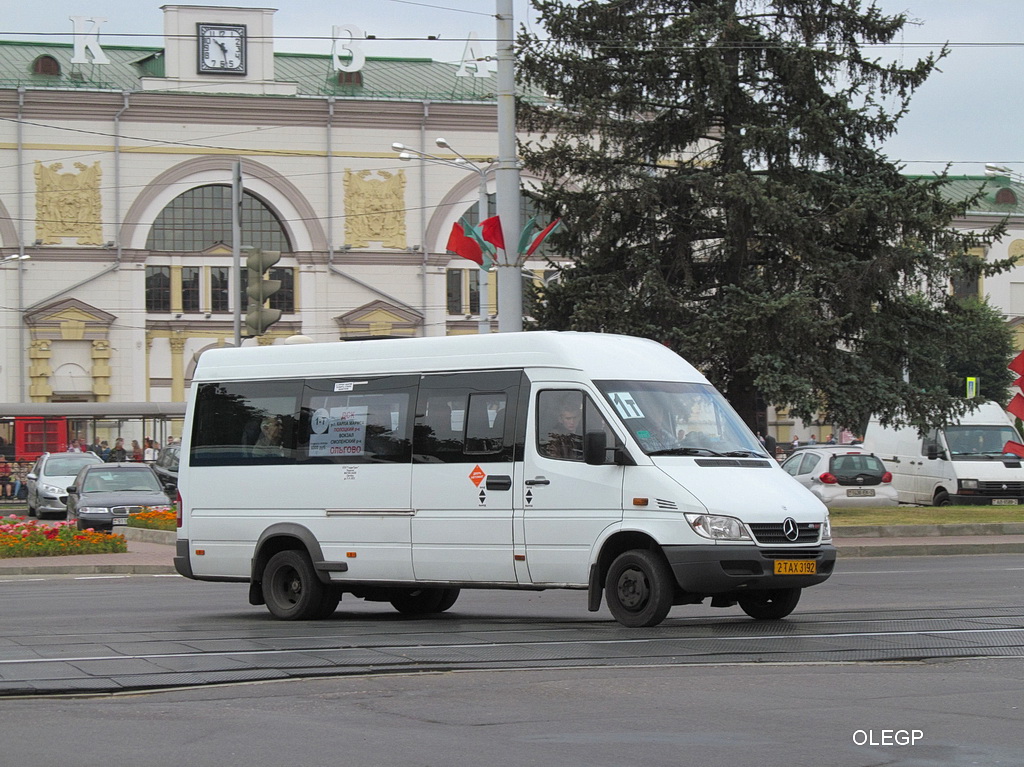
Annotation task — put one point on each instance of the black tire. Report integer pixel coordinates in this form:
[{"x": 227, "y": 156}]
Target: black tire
[
  {"x": 31, "y": 511},
  {"x": 292, "y": 590},
  {"x": 449, "y": 598},
  {"x": 639, "y": 588},
  {"x": 770, "y": 605},
  {"x": 942, "y": 499},
  {"x": 419, "y": 601},
  {"x": 328, "y": 604}
]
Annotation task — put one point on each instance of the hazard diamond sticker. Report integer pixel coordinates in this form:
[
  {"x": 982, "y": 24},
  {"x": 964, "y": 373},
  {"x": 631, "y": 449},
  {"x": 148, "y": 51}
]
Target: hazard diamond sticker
[{"x": 477, "y": 475}]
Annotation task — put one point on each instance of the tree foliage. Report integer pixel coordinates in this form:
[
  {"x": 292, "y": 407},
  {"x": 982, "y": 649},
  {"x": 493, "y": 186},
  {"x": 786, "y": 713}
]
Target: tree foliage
[{"x": 717, "y": 165}]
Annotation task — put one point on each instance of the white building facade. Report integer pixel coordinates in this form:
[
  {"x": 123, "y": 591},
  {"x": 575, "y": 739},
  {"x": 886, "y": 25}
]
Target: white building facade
[{"x": 115, "y": 213}]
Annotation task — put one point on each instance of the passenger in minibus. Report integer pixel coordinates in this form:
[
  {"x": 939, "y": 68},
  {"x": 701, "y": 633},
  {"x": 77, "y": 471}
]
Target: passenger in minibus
[
  {"x": 565, "y": 439},
  {"x": 270, "y": 439}
]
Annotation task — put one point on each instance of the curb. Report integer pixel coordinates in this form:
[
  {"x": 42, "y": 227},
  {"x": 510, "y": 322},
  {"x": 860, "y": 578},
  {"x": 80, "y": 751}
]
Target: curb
[
  {"x": 927, "y": 531},
  {"x": 166, "y": 537},
  {"x": 851, "y": 551}
]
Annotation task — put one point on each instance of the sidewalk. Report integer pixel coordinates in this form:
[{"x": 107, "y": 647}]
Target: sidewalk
[{"x": 151, "y": 552}]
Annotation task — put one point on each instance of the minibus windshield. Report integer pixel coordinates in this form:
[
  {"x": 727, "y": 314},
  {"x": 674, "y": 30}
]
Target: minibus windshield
[
  {"x": 674, "y": 418},
  {"x": 978, "y": 442}
]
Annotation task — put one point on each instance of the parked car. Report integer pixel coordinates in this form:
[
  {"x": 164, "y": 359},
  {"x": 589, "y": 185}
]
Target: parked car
[
  {"x": 166, "y": 466},
  {"x": 49, "y": 478},
  {"x": 103, "y": 495},
  {"x": 842, "y": 475}
]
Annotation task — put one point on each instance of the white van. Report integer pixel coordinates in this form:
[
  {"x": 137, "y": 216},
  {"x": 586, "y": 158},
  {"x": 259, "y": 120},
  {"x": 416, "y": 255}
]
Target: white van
[
  {"x": 962, "y": 463},
  {"x": 405, "y": 470}
]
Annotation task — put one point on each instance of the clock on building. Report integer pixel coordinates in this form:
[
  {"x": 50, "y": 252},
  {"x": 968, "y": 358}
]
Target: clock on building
[{"x": 221, "y": 49}]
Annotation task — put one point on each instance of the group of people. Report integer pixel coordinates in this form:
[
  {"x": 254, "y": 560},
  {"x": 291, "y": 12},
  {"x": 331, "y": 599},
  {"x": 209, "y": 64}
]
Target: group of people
[
  {"x": 118, "y": 452},
  {"x": 12, "y": 480}
]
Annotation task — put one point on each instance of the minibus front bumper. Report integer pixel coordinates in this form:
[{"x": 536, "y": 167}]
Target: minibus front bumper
[{"x": 721, "y": 569}]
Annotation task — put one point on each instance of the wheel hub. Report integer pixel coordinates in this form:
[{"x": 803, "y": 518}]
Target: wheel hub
[{"x": 633, "y": 589}]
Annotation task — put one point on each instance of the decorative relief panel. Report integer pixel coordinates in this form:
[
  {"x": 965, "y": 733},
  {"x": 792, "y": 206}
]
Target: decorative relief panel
[
  {"x": 68, "y": 204},
  {"x": 375, "y": 209}
]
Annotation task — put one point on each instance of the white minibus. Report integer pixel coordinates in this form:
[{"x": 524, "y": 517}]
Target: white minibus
[
  {"x": 405, "y": 470},
  {"x": 959, "y": 464}
]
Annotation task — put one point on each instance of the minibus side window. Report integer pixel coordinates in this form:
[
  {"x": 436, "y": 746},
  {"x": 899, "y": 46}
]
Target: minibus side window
[
  {"x": 466, "y": 417},
  {"x": 244, "y": 422},
  {"x": 563, "y": 417},
  {"x": 357, "y": 419}
]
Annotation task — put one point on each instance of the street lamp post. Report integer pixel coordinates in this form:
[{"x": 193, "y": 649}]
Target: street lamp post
[{"x": 462, "y": 162}]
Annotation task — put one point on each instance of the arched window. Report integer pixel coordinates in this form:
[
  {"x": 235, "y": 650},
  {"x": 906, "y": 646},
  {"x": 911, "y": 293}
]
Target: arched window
[
  {"x": 201, "y": 218},
  {"x": 45, "y": 65},
  {"x": 195, "y": 222}
]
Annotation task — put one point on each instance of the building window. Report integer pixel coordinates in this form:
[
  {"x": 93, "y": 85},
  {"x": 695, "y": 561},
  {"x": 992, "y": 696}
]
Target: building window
[
  {"x": 46, "y": 65},
  {"x": 158, "y": 288},
  {"x": 220, "y": 277},
  {"x": 190, "y": 295},
  {"x": 463, "y": 291},
  {"x": 283, "y": 299},
  {"x": 200, "y": 218}
]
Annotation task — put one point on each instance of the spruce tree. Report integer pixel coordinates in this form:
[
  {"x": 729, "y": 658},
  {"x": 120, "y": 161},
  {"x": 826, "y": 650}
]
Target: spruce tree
[{"x": 717, "y": 164}]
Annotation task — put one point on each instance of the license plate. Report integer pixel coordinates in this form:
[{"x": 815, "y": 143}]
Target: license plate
[
  {"x": 860, "y": 492},
  {"x": 120, "y": 521},
  {"x": 796, "y": 567},
  {"x": 1004, "y": 501}
]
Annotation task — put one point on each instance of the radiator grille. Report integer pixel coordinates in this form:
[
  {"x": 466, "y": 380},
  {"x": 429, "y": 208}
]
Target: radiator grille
[{"x": 772, "y": 533}]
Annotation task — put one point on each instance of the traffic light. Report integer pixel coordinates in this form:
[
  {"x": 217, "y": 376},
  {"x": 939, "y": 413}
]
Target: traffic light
[{"x": 258, "y": 317}]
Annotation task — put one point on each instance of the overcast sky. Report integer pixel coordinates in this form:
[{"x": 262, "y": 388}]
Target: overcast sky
[{"x": 969, "y": 114}]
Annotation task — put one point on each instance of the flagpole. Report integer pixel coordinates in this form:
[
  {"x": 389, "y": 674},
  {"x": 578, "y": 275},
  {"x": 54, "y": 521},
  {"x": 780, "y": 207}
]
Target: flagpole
[
  {"x": 510, "y": 281},
  {"x": 484, "y": 325}
]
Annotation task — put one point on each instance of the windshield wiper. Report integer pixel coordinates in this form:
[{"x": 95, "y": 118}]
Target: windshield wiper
[
  {"x": 684, "y": 451},
  {"x": 745, "y": 454}
]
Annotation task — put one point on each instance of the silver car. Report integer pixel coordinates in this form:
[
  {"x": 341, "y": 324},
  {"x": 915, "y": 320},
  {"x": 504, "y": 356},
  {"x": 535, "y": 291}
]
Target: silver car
[
  {"x": 842, "y": 475},
  {"x": 48, "y": 482}
]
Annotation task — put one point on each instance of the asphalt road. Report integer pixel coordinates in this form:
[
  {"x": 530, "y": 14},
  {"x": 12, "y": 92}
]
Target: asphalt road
[{"x": 926, "y": 650}]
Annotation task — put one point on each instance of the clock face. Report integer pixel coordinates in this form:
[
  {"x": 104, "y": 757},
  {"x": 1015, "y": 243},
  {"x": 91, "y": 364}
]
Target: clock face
[{"x": 221, "y": 48}]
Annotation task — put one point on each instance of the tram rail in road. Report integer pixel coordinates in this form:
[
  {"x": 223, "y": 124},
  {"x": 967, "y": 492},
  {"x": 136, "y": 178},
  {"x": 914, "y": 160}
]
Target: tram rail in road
[{"x": 357, "y": 643}]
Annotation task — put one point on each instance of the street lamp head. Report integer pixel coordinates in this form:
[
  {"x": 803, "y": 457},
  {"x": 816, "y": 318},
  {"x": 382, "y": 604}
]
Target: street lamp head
[
  {"x": 443, "y": 143},
  {"x": 991, "y": 169},
  {"x": 398, "y": 147},
  {"x": 405, "y": 157}
]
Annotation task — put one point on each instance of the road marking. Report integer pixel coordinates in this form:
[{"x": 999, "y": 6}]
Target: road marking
[{"x": 389, "y": 649}]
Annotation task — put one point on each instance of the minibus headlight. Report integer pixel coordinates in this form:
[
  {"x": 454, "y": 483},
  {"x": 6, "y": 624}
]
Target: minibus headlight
[
  {"x": 826, "y": 529},
  {"x": 717, "y": 527},
  {"x": 969, "y": 484},
  {"x": 93, "y": 510}
]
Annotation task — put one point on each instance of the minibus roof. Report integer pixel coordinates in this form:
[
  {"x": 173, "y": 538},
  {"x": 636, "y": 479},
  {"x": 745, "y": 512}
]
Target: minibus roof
[{"x": 601, "y": 356}]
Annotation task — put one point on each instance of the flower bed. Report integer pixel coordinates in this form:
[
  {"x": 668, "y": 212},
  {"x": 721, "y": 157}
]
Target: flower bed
[
  {"x": 21, "y": 537},
  {"x": 156, "y": 518}
]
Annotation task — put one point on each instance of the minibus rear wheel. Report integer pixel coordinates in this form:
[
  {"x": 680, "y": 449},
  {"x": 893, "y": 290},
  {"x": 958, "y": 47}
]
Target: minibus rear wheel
[
  {"x": 292, "y": 590},
  {"x": 639, "y": 588},
  {"x": 770, "y": 605},
  {"x": 423, "y": 601}
]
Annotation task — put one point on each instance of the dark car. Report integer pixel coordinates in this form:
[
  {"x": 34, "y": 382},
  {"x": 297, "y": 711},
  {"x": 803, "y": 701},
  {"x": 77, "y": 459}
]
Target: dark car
[
  {"x": 166, "y": 467},
  {"x": 105, "y": 494}
]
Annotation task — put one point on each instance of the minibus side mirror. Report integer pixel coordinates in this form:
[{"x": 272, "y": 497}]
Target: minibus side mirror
[
  {"x": 934, "y": 452},
  {"x": 595, "y": 448}
]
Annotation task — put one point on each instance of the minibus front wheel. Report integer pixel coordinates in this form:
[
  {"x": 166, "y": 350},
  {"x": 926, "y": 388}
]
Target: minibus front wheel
[
  {"x": 769, "y": 605},
  {"x": 639, "y": 588},
  {"x": 292, "y": 590}
]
